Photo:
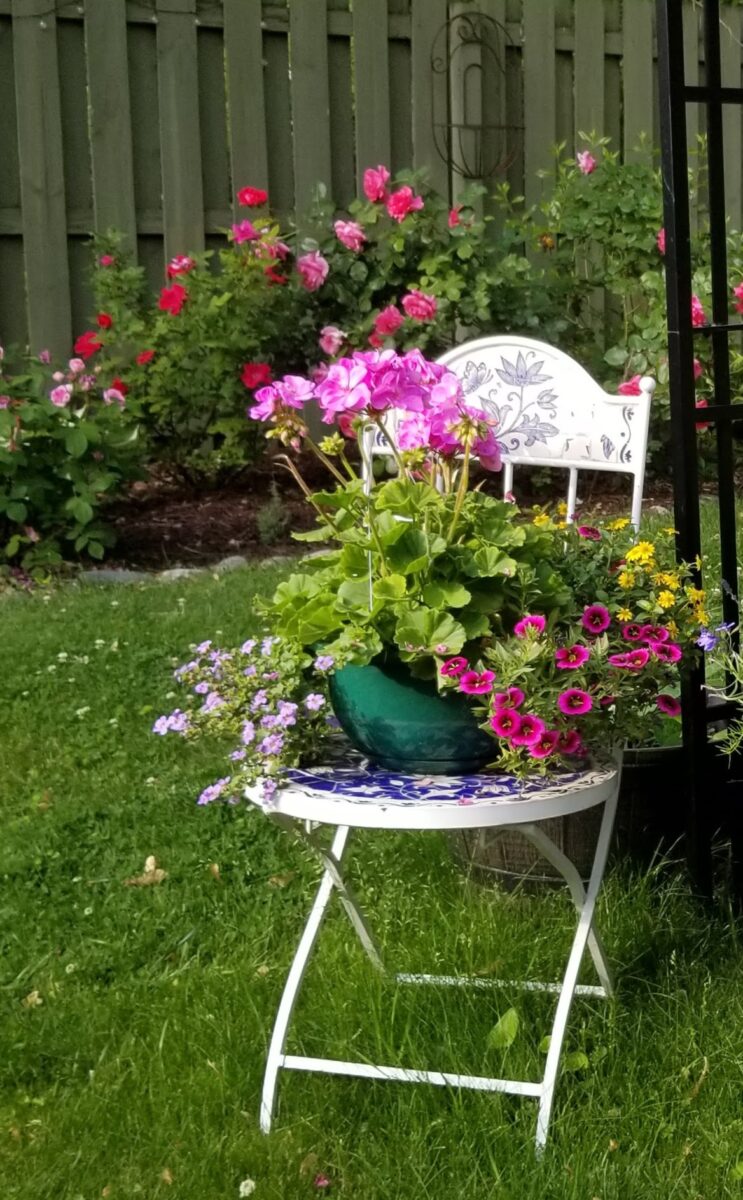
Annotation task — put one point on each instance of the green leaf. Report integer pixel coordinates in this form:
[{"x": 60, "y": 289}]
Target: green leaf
[
  {"x": 475, "y": 624},
  {"x": 616, "y": 356},
  {"x": 545, "y": 1044},
  {"x": 80, "y": 509},
  {"x": 489, "y": 561},
  {"x": 75, "y": 442},
  {"x": 16, "y": 511},
  {"x": 12, "y": 546},
  {"x": 576, "y": 1060},
  {"x": 423, "y": 630},
  {"x": 406, "y": 497},
  {"x": 95, "y": 550},
  {"x": 354, "y": 594},
  {"x": 446, "y": 595},
  {"x": 503, "y": 1034},
  {"x": 296, "y": 587},
  {"x": 391, "y": 587},
  {"x": 736, "y": 1171}
]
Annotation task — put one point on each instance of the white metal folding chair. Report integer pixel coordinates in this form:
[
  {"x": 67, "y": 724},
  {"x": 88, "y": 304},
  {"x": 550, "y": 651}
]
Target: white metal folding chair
[{"x": 550, "y": 412}]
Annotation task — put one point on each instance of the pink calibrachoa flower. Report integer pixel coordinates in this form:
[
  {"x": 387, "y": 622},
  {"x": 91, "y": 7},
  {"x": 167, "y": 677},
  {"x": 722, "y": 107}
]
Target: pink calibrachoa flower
[
  {"x": 574, "y": 702},
  {"x": 513, "y": 697},
  {"x": 569, "y": 742},
  {"x": 375, "y": 183},
  {"x": 668, "y": 705},
  {"x": 388, "y": 321},
  {"x": 589, "y": 532},
  {"x": 698, "y": 315},
  {"x": 244, "y": 231},
  {"x": 180, "y": 265},
  {"x": 632, "y": 632},
  {"x": 531, "y": 621},
  {"x": 314, "y": 270},
  {"x": 402, "y": 202},
  {"x": 545, "y": 745},
  {"x": 633, "y": 660},
  {"x": 350, "y": 234},
  {"x": 667, "y": 652},
  {"x": 531, "y": 729},
  {"x": 172, "y": 299},
  {"x": 251, "y": 197},
  {"x": 569, "y": 658},
  {"x": 61, "y": 396},
  {"x": 331, "y": 339},
  {"x": 586, "y": 162},
  {"x": 698, "y": 368},
  {"x": 654, "y": 633},
  {"x": 505, "y": 722},
  {"x": 630, "y": 387},
  {"x": 475, "y": 683},
  {"x": 420, "y": 306},
  {"x": 596, "y": 618}
]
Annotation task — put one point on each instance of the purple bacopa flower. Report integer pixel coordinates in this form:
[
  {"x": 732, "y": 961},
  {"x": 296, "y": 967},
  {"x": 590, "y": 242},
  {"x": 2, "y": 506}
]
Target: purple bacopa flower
[
  {"x": 269, "y": 790},
  {"x": 270, "y": 675},
  {"x": 323, "y": 662},
  {"x": 248, "y": 647},
  {"x": 201, "y": 688},
  {"x": 260, "y": 700},
  {"x": 249, "y": 671},
  {"x": 237, "y": 755},
  {"x": 179, "y": 672},
  {"x": 248, "y": 733},
  {"x": 175, "y": 722},
  {"x": 267, "y": 645},
  {"x": 203, "y": 647},
  {"x": 214, "y": 790},
  {"x": 287, "y": 713},
  {"x": 314, "y": 702},
  {"x": 269, "y": 721},
  {"x": 213, "y": 700},
  {"x": 161, "y": 726},
  {"x": 273, "y": 744}
]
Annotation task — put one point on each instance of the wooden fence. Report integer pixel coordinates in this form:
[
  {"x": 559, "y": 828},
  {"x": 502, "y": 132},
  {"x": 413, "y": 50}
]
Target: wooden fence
[{"x": 147, "y": 114}]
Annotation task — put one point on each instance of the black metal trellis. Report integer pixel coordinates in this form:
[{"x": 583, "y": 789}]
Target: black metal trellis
[{"x": 705, "y": 811}]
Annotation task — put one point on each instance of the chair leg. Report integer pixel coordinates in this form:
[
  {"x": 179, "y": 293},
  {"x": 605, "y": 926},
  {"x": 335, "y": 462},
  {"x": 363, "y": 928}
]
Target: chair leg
[
  {"x": 572, "y": 495},
  {"x": 294, "y": 983},
  {"x": 570, "y": 978},
  {"x": 637, "y": 489}
]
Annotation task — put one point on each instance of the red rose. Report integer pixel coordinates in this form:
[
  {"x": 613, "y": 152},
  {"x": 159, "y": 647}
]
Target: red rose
[
  {"x": 87, "y": 344},
  {"x": 144, "y": 357},
  {"x": 173, "y": 298},
  {"x": 251, "y": 197},
  {"x": 120, "y": 386},
  {"x": 274, "y": 276},
  {"x": 256, "y": 374},
  {"x": 103, "y": 321}
]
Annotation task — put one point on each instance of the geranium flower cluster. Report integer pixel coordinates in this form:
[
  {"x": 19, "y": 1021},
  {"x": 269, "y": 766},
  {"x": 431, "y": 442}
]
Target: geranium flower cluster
[
  {"x": 268, "y": 696},
  {"x": 418, "y": 404}
]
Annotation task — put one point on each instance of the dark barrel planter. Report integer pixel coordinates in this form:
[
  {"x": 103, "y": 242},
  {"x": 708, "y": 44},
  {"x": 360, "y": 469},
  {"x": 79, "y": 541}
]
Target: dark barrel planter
[
  {"x": 404, "y": 723},
  {"x": 649, "y": 823}
]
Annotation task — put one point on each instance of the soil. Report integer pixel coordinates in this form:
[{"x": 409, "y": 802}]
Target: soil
[{"x": 162, "y": 523}]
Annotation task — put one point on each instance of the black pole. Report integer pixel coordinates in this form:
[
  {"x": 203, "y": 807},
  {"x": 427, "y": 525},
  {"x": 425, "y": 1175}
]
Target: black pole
[{"x": 682, "y": 399}]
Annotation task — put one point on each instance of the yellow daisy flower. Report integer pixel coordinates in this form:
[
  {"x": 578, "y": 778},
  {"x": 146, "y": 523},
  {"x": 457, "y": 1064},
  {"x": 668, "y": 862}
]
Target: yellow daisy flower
[
  {"x": 696, "y": 595},
  {"x": 542, "y": 519},
  {"x": 672, "y": 628},
  {"x": 667, "y": 579},
  {"x": 624, "y": 614},
  {"x": 618, "y": 523},
  {"x": 666, "y": 599},
  {"x": 562, "y": 508},
  {"x": 626, "y": 579},
  {"x": 669, "y": 531},
  {"x": 643, "y": 553}
]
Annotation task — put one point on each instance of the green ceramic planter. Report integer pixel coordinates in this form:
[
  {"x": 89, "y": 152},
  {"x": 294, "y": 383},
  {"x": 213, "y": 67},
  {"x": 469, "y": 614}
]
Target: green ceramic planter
[{"x": 404, "y": 724}]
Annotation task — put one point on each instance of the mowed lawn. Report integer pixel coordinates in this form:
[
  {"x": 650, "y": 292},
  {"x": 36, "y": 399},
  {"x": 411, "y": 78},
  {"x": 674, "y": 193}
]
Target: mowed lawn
[{"x": 135, "y": 1019}]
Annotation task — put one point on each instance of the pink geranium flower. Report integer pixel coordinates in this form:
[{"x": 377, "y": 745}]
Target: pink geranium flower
[
  {"x": 505, "y": 722},
  {"x": 545, "y": 745},
  {"x": 571, "y": 657},
  {"x": 402, "y": 202},
  {"x": 698, "y": 315},
  {"x": 331, "y": 339},
  {"x": 595, "y": 618},
  {"x": 532, "y": 621},
  {"x": 388, "y": 321},
  {"x": 414, "y": 431},
  {"x": 453, "y": 666},
  {"x": 266, "y": 406},
  {"x": 586, "y": 162},
  {"x": 350, "y": 234},
  {"x": 314, "y": 270},
  {"x": 574, "y": 702},
  {"x": 375, "y": 183},
  {"x": 344, "y": 389},
  {"x": 475, "y": 683},
  {"x": 420, "y": 306},
  {"x": 512, "y": 698},
  {"x": 668, "y": 705},
  {"x": 630, "y": 387},
  {"x": 244, "y": 231},
  {"x": 530, "y": 730}
]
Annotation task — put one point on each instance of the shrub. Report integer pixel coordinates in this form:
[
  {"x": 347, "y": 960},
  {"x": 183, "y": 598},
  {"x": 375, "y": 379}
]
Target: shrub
[{"x": 67, "y": 441}]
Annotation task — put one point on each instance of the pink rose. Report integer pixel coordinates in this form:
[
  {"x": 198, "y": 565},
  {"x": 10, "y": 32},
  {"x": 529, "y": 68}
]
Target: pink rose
[
  {"x": 245, "y": 231},
  {"x": 630, "y": 387},
  {"x": 180, "y": 265},
  {"x": 697, "y": 368},
  {"x": 388, "y": 321},
  {"x": 420, "y": 306},
  {"x": 112, "y": 395},
  {"x": 586, "y": 162},
  {"x": 350, "y": 234},
  {"x": 375, "y": 183},
  {"x": 106, "y": 260},
  {"x": 738, "y": 293},
  {"x": 314, "y": 270},
  {"x": 660, "y": 240},
  {"x": 4, "y": 401},
  {"x": 453, "y": 218},
  {"x": 331, "y": 339},
  {"x": 698, "y": 315},
  {"x": 60, "y": 396},
  {"x": 403, "y": 201},
  {"x": 76, "y": 365}
]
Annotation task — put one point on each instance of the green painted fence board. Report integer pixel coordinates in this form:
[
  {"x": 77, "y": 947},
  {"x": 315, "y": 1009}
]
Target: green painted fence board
[
  {"x": 498, "y": 144},
  {"x": 371, "y": 77},
  {"x": 243, "y": 43},
  {"x": 216, "y": 174},
  {"x": 42, "y": 176},
  {"x": 730, "y": 54},
  {"x": 308, "y": 53},
  {"x": 278, "y": 125},
  {"x": 401, "y": 131},
  {"x": 429, "y": 98},
  {"x": 637, "y": 76},
  {"x": 110, "y": 118},
  {"x": 180, "y": 143},
  {"x": 539, "y": 94},
  {"x": 342, "y": 155},
  {"x": 588, "y": 67}
]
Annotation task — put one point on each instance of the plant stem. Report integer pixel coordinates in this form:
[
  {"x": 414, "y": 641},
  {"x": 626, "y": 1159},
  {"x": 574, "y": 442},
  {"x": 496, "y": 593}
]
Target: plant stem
[
  {"x": 390, "y": 442},
  {"x": 461, "y": 492},
  {"x": 326, "y": 462}
]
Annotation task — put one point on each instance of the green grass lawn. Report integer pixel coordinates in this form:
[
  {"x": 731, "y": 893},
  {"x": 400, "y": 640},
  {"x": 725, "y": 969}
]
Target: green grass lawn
[{"x": 135, "y": 1019}]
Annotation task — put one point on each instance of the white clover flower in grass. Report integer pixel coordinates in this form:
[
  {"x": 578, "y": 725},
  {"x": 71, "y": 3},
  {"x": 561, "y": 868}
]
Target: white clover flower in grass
[{"x": 247, "y": 1187}]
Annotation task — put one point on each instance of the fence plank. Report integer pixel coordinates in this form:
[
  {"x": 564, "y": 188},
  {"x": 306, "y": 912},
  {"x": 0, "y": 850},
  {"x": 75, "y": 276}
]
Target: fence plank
[
  {"x": 371, "y": 76},
  {"x": 110, "y": 118},
  {"x": 180, "y": 143},
  {"x": 498, "y": 142},
  {"x": 308, "y": 56},
  {"x": 731, "y": 116},
  {"x": 42, "y": 176},
  {"x": 539, "y": 93},
  {"x": 429, "y": 98},
  {"x": 637, "y": 78},
  {"x": 243, "y": 44},
  {"x": 589, "y": 67}
]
